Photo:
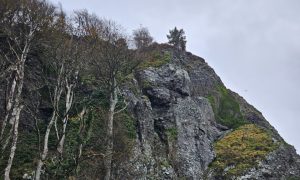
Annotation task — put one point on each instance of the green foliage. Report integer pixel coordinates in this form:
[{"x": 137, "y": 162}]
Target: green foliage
[
  {"x": 156, "y": 60},
  {"x": 78, "y": 132},
  {"x": 56, "y": 167},
  {"x": 165, "y": 164},
  {"x": 130, "y": 83},
  {"x": 146, "y": 84},
  {"x": 211, "y": 100},
  {"x": 177, "y": 38},
  {"x": 124, "y": 137},
  {"x": 127, "y": 78},
  {"x": 226, "y": 108},
  {"x": 26, "y": 154},
  {"x": 88, "y": 79},
  {"x": 241, "y": 150},
  {"x": 293, "y": 178},
  {"x": 98, "y": 98},
  {"x": 171, "y": 133},
  {"x": 44, "y": 93},
  {"x": 129, "y": 123}
]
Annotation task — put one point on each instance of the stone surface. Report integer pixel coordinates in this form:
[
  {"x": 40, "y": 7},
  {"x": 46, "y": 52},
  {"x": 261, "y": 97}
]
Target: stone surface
[
  {"x": 176, "y": 125},
  {"x": 283, "y": 164}
]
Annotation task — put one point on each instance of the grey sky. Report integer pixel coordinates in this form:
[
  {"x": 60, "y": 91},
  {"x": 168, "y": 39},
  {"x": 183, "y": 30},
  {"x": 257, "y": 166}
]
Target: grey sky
[{"x": 253, "y": 45}]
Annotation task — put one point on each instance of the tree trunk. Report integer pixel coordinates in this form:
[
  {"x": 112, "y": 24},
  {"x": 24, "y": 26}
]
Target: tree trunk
[
  {"x": 56, "y": 99},
  {"x": 45, "y": 149},
  {"x": 60, "y": 146},
  {"x": 109, "y": 148},
  {"x": 81, "y": 132},
  {"x": 16, "y": 117},
  {"x": 69, "y": 102},
  {"x": 16, "y": 107},
  {"x": 8, "y": 107}
]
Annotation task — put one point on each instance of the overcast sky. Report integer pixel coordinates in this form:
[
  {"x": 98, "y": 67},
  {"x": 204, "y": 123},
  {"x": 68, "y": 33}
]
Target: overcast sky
[{"x": 253, "y": 45}]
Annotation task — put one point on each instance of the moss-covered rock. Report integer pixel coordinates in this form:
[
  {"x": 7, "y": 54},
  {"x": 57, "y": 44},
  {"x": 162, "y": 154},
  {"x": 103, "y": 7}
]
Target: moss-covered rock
[
  {"x": 156, "y": 59},
  {"x": 171, "y": 133},
  {"x": 226, "y": 108},
  {"x": 241, "y": 150}
]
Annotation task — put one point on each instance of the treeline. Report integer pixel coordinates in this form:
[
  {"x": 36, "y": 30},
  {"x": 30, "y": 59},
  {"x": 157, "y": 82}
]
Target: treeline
[{"x": 60, "y": 77}]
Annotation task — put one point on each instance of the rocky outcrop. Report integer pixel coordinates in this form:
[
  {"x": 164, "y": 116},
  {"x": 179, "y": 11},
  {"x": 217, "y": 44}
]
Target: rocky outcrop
[
  {"x": 177, "y": 125},
  {"x": 175, "y": 130},
  {"x": 283, "y": 163}
]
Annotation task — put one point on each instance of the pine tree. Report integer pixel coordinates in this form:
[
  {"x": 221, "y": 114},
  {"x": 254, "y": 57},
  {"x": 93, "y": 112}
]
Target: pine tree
[{"x": 177, "y": 38}]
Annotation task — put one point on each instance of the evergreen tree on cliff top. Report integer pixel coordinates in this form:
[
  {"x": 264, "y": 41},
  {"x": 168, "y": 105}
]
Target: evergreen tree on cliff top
[{"x": 177, "y": 38}]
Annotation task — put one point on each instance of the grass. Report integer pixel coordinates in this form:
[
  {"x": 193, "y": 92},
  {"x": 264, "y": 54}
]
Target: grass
[
  {"x": 156, "y": 59},
  {"x": 241, "y": 150}
]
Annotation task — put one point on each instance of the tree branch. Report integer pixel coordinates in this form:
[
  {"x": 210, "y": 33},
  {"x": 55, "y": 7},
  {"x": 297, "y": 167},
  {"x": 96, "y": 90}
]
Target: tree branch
[
  {"x": 122, "y": 109},
  {"x": 9, "y": 69}
]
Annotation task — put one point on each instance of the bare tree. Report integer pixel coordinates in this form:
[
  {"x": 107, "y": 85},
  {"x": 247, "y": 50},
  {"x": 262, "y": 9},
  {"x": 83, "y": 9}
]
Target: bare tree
[
  {"x": 109, "y": 60},
  {"x": 67, "y": 54},
  {"x": 20, "y": 22},
  {"x": 55, "y": 102},
  {"x": 112, "y": 62},
  {"x": 142, "y": 37}
]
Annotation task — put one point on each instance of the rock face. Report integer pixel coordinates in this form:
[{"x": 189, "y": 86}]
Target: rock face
[
  {"x": 176, "y": 125},
  {"x": 280, "y": 164}
]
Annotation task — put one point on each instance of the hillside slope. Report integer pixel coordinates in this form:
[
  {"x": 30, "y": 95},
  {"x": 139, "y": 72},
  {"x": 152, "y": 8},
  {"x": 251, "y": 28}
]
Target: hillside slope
[
  {"x": 181, "y": 123},
  {"x": 189, "y": 125}
]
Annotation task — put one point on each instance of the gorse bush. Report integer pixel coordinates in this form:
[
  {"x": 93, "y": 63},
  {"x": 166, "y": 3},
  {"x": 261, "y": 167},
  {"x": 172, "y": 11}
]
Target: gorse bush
[{"x": 241, "y": 150}]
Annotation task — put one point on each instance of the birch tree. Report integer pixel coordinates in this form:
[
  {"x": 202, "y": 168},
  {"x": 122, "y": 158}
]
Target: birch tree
[
  {"x": 66, "y": 53},
  {"x": 20, "y": 22},
  {"x": 109, "y": 61},
  {"x": 112, "y": 62}
]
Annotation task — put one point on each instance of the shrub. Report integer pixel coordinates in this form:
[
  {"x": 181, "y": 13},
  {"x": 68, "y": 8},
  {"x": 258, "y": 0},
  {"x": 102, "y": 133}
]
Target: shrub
[{"x": 241, "y": 150}]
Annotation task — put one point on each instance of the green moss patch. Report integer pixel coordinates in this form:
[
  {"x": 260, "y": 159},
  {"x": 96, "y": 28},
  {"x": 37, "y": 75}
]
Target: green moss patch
[
  {"x": 226, "y": 108},
  {"x": 156, "y": 59},
  {"x": 241, "y": 150},
  {"x": 129, "y": 123},
  {"x": 171, "y": 133}
]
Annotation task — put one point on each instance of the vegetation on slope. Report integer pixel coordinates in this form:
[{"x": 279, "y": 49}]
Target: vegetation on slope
[
  {"x": 86, "y": 56},
  {"x": 155, "y": 59},
  {"x": 226, "y": 108},
  {"x": 241, "y": 150}
]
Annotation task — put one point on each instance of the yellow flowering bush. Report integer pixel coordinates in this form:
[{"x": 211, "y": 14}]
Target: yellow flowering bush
[{"x": 242, "y": 149}]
